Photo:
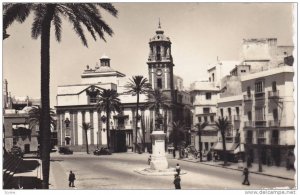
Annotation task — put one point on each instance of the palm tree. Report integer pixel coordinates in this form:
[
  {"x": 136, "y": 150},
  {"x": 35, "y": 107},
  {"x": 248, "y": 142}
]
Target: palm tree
[
  {"x": 223, "y": 125},
  {"x": 86, "y": 126},
  {"x": 45, "y": 14},
  {"x": 108, "y": 102},
  {"x": 34, "y": 117},
  {"x": 138, "y": 85},
  {"x": 157, "y": 100},
  {"x": 200, "y": 127},
  {"x": 177, "y": 135}
]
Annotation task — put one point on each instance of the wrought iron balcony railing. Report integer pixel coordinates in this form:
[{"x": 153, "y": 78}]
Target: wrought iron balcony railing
[
  {"x": 259, "y": 95},
  {"x": 237, "y": 117},
  {"x": 249, "y": 140},
  {"x": 274, "y": 141},
  {"x": 273, "y": 94},
  {"x": 248, "y": 124},
  {"x": 274, "y": 123},
  {"x": 248, "y": 97}
]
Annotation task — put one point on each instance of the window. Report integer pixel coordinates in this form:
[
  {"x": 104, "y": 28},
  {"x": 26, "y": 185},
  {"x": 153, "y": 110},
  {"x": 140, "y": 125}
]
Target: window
[
  {"x": 213, "y": 77},
  {"x": 212, "y": 119},
  {"x": 159, "y": 83},
  {"x": 248, "y": 91},
  {"x": 274, "y": 87},
  {"x": 221, "y": 110},
  {"x": 259, "y": 114},
  {"x": 199, "y": 119},
  {"x": 205, "y": 110},
  {"x": 275, "y": 114},
  {"x": 206, "y": 145},
  {"x": 261, "y": 134},
  {"x": 208, "y": 96},
  {"x": 205, "y": 118},
  {"x": 249, "y": 114},
  {"x": 237, "y": 110},
  {"x": 229, "y": 112},
  {"x": 259, "y": 87},
  {"x": 158, "y": 55}
]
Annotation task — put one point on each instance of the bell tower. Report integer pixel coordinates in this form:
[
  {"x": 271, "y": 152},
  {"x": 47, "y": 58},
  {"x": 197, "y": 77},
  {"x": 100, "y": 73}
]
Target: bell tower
[{"x": 160, "y": 62}]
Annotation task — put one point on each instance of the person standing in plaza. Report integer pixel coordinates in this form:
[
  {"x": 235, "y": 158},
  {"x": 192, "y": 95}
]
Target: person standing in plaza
[
  {"x": 149, "y": 160},
  {"x": 246, "y": 174},
  {"x": 177, "y": 181},
  {"x": 177, "y": 169},
  {"x": 71, "y": 179}
]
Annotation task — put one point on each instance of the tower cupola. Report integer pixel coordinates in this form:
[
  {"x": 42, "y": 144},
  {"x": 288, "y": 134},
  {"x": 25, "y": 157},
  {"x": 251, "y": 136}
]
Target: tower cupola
[{"x": 105, "y": 61}]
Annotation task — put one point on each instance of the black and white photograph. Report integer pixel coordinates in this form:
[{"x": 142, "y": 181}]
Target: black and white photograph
[{"x": 171, "y": 96}]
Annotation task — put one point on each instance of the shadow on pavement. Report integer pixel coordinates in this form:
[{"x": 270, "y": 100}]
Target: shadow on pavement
[
  {"x": 56, "y": 160},
  {"x": 25, "y": 183},
  {"x": 27, "y": 166}
]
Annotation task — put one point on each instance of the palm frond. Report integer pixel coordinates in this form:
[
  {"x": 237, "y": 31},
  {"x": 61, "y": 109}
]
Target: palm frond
[
  {"x": 57, "y": 25},
  {"x": 16, "y": 12},
  {"x": 109, "y": 7}
]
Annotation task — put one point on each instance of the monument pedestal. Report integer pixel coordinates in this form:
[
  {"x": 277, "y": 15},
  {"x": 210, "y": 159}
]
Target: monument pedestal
[{"x": 158, "y": 159}]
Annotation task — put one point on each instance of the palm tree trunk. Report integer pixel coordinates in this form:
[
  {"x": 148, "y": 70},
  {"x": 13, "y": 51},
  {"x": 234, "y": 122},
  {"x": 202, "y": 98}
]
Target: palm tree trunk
[
  {"x": 86, "y": 141},
  {"x": 200, "y": 145},
  {"x": 224, "y": 149},
  {"x": 45, "y": 101},
  {"x": 107, "y": 126},
  {"x": 136, "y": 117}
]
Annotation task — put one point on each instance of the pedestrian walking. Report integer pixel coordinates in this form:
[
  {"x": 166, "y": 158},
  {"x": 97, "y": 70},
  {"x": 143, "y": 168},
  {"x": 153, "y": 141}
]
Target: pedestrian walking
[
  {"x": 178, "y": 169},
  {"x": 174, "y": 153},
  {"x": 177, "y": 181},
  {"x": 246, "y": 174},
  {"x": 149, "y": 160},
  {"x": 71, "y": 179}
]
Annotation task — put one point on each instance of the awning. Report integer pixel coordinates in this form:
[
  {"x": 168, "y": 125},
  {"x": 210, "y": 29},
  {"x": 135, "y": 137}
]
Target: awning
[
  {"x": 229, "y": 146},
  {"x": 239, "y": 148}
]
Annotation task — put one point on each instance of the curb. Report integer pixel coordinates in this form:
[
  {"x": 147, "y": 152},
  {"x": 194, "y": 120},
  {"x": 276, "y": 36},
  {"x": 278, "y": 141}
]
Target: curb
[{"x": 287, "y": 178}]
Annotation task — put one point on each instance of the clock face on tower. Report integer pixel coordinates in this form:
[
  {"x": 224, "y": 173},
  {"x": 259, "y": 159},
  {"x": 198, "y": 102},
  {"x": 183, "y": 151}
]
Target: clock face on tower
[{"x": 159, "y": 72}]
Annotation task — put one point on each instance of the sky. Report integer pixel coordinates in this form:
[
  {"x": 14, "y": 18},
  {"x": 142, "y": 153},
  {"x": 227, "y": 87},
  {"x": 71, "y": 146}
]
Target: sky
[{"x": 200, "y": 33}]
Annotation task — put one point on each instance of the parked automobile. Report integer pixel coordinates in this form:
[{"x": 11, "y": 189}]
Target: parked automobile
[
  {"x": 17, "y": 151},
  {"x": 65, "y": 150},
  {"x": 102, "y": 151}
]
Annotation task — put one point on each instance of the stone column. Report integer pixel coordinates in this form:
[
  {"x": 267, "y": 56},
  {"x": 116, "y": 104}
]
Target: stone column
[
  {"x": 95, "y": 126},
  {"x": 79, "y": 123}
]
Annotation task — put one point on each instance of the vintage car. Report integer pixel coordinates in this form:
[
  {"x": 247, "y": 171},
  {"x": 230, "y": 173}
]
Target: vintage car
[{"x": 102, "y": 151}]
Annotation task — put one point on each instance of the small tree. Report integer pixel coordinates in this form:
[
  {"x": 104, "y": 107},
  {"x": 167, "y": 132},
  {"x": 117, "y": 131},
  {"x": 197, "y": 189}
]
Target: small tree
[
  {"x": 177, "y": 135},
  {"x": 34, "y": 117},
  {"x": 138, "y": 85},
  {"x": 108, "y": 102},
  {"x": 223, "y": 125},
  {"x": 86, "y": 126}
]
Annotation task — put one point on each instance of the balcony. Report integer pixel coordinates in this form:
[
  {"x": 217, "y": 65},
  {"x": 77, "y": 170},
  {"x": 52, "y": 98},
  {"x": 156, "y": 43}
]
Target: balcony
[
  {"x": 261, "y": 140},
  {"x": 248, "y": 98},
  {"x": 249, "y": 140},
  {"x": 260, "y": 95},
  {"x": 229, "y": 139},
  {"x": 274, "y": 123},
  {"x": 260, "y": 123},
  {"x": 275, "y": 141},
  {"x": 236, "y": 117},
  {"x": 273, "y": 94},
  {"x": 248, "y": 124}
]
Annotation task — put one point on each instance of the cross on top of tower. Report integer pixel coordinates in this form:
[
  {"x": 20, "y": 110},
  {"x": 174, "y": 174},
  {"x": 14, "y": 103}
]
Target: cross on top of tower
[
  {"x": 159, "y": 30},
  {"x": 159, "y": 23}
]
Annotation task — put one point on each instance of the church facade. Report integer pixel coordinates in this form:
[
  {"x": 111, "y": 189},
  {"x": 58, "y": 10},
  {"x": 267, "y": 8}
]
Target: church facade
[{"x": 77, "y": 103}]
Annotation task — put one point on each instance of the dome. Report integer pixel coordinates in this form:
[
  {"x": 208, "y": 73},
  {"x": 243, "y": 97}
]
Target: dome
[
  {"x": 160, "y": 35},
  {"x": 104, "y": 57}
]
